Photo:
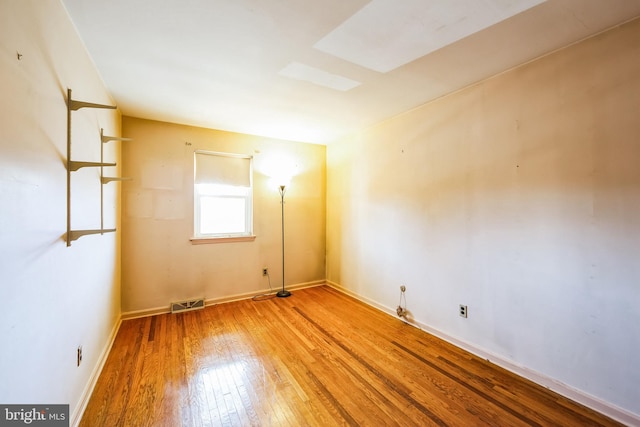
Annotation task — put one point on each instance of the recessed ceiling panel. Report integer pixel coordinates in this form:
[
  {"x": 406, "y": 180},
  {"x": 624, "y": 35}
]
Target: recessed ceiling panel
[
  {"x": 386, "y": 34},
  {"x": 298, "y": 71}
]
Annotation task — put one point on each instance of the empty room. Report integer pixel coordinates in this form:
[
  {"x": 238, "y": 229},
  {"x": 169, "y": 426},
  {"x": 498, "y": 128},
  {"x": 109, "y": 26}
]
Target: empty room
[{"x": 285, "y": 213}]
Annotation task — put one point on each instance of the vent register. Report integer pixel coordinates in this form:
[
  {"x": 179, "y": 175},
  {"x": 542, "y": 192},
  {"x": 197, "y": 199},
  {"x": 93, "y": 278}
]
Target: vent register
[{"x": 178, "y": 307}]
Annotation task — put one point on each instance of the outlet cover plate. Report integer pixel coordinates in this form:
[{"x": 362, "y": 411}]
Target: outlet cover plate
[{"x": 463, "y": 311}]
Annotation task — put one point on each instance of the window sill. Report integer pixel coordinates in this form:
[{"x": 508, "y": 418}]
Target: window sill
[{"x": 210, "y": 240}]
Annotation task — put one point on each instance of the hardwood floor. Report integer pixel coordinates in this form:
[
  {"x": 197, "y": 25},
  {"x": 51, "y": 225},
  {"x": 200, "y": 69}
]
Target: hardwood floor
[{"x": 317, "y": 358}]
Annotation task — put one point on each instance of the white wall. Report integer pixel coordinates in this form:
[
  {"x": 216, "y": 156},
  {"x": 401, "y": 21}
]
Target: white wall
[
  {"x": 54, "y": 298},
  {"x": 519, "y": 197}
]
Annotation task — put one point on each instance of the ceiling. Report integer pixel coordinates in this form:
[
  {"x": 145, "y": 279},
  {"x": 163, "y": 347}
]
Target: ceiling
[{"x": 313, "y": 71}]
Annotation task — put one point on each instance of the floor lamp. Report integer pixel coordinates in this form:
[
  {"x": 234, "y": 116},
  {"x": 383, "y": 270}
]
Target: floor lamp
[{"x": 283, "y": 293}]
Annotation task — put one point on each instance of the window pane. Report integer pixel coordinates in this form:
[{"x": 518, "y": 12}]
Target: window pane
[
  {"x": 222, "y": 195},
  {"x": 222, "y": 215}
]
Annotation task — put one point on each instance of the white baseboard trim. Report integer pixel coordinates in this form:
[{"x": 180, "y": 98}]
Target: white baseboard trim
[
  {"x": 95, "y": 374},
  {"x": 595, "y": 403},
  {"x": 213, "y": 301}
]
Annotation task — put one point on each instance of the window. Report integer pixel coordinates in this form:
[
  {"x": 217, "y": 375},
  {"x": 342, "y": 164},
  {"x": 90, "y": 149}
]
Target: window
[{"x": 223, "y": 195}]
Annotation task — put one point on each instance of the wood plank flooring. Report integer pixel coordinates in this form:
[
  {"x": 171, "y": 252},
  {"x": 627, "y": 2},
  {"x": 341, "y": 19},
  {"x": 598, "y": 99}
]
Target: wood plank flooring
[{"x": 317, "y": 358}]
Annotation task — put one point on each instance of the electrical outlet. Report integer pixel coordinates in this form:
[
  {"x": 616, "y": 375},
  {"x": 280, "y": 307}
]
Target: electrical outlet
[
  {"x": 265, "y": 271},
  {"x": 463, "y": 311},
  {"x": 79, "y": 355}
]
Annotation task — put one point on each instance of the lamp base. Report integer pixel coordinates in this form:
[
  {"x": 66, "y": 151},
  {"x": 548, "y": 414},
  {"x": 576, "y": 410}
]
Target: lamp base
[{"x": 283, "y": 294}]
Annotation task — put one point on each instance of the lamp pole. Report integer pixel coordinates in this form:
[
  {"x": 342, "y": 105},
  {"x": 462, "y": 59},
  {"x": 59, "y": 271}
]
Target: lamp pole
[{"x": 283, "y": 293}]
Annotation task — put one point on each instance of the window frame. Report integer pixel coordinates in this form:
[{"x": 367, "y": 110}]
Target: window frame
[{"x": 198, "y": 236}]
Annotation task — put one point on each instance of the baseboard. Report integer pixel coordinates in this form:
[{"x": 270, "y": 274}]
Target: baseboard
[
  {"x": 146, "y": 312},
  {"x": 606, "y": 408},
  {"x": 213, "y": 301},
  {"x": 95, "y": 374}
]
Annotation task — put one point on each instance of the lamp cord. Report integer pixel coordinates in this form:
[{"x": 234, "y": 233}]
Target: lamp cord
[
  {"x": 402, "y": 310},
  {"x": 402, "y": 297},
  {"x": 266, "y": 295}
]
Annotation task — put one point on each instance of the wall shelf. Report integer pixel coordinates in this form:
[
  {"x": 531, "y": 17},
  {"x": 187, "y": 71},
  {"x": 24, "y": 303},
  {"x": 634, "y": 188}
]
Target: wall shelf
[{"x": 74, "y": 165}]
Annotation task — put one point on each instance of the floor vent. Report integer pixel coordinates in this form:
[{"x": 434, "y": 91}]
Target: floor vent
[{"x": 196, "y": 304}]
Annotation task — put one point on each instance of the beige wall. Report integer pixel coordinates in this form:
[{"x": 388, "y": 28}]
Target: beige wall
[
  {"x": 54, "y": 297},
  {"x": 161, "y": 265},
  {"x": 519, "y": 197}
]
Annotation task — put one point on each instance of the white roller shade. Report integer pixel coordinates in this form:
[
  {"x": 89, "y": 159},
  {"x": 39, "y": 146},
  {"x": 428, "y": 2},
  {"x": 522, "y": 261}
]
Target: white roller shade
[{"x": 221, "y": 168}]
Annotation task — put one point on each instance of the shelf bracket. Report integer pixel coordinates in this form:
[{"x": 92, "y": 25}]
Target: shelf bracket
[
  {"x": 73, "y": 105},
  {"x": 105, "y": 138},
  {"x": 76, "y": 105},
  {"x": 74, "y": 165},
  {"x": 76, "y": 234},
  {"x": 108, "y": 179}
]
